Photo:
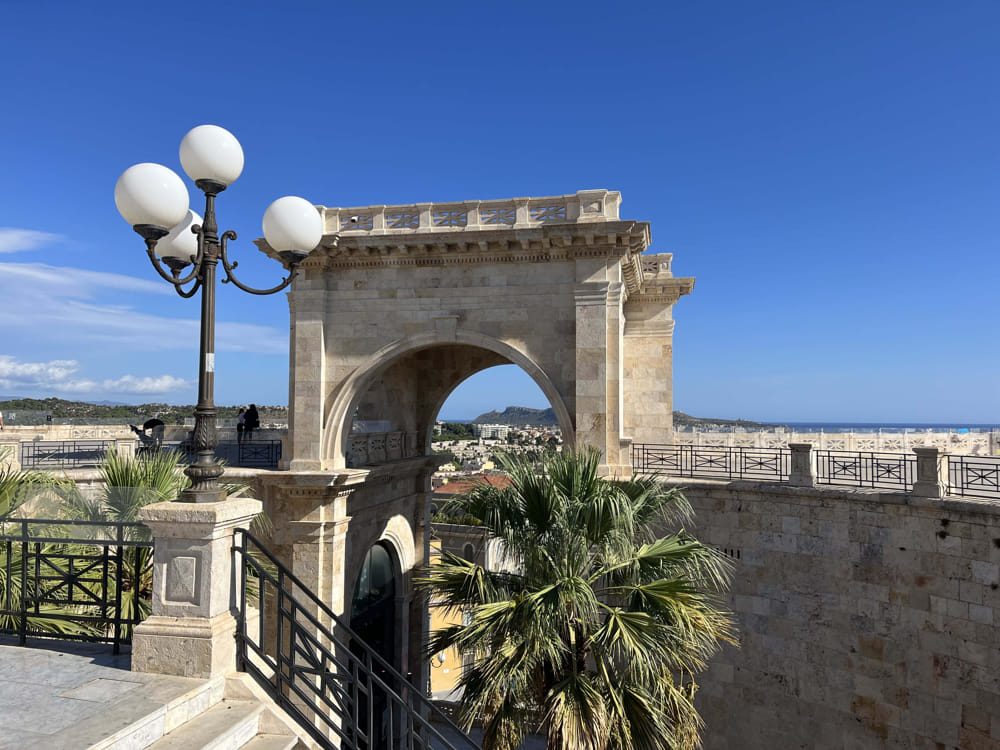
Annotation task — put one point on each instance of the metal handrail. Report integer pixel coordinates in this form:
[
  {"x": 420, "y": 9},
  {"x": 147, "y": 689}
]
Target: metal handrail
[
  {"x": 336, "y": 686},
  {"x": 57, "y": 583}
]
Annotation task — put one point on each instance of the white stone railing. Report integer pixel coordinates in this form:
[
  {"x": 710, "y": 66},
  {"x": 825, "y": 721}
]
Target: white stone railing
[
  {"x": 967, "y": 443},
  {"x": 369, "y": 448},
  {"x": 513, "y": 213}
]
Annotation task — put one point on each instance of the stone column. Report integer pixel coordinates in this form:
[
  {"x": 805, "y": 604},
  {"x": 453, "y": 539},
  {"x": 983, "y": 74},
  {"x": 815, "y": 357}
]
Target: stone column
[
  {"x": 191, "y": 632},
  {"x": 307, "y": 361},
  {"x": 928, "y": 482},
  {"x": 803, "y": 470},
  {"x": 599, "y": 361}
]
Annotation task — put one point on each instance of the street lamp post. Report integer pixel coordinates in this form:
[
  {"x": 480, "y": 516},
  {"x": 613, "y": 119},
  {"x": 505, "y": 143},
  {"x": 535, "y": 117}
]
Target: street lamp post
[{"x": 154, "y": 200}]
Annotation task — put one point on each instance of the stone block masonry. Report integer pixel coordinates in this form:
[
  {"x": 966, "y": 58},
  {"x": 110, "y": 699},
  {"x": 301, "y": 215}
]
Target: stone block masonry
[{"x": 867, "y": 619}]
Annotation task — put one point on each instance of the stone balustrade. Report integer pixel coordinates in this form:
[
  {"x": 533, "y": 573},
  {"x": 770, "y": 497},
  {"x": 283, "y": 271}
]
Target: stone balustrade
[
  {"x": 968, "y": 443},
  {"x": 513, "y": 213},
  {"x": 370, "y": 448}
]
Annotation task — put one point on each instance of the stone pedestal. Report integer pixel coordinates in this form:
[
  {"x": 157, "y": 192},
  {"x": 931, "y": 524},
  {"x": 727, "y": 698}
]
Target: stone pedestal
[
  {"x": 191, "y": 632},
  {"x": 928, "y": 483},
  {"x": 803, "y": 470}
]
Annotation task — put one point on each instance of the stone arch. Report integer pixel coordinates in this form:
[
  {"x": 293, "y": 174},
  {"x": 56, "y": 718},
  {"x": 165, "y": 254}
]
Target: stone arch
[
  {"x": 341, "y": 404},
  {"x": 398, "y": 535}
]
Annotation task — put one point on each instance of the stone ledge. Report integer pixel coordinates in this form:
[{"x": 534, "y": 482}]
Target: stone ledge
[{"x": 830, "y": 492}]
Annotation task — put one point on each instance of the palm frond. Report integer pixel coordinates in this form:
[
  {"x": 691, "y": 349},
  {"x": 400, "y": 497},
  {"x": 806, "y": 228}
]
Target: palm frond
[{"x": 597, "y": 621}]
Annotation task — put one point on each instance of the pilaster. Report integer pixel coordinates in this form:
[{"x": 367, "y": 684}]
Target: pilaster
[{"x": 307, "y": 381}]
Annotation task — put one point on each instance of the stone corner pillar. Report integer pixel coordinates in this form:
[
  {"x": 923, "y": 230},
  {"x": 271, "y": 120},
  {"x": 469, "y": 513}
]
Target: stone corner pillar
[
  {"x": 928, "y": 483},
  {"x": 625, "y": 451},
  {"x": 191, "y": 632},
  {"x": 125, "y": 447},
  {"x": 803, "y": 468}
]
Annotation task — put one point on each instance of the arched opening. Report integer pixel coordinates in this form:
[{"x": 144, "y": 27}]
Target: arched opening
[
  {"x": 373, "y": 605},
  {"x": 386, "y": 410},
  {"x": 373, "y": 620}
]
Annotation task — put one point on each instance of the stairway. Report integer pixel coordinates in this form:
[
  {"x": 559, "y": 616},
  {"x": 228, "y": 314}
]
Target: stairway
[{"x": 212, "y": 716}]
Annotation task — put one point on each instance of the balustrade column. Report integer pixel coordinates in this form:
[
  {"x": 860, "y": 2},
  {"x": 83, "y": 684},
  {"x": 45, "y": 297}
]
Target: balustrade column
[
  {"x": 803, "y": 469},
  {"x": 928, "y": 482},
  {"x": 191, "y": 632}
]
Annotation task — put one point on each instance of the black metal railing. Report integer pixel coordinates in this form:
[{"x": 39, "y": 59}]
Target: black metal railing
[
  {"x": 78, "y": 580},
  {"x": 263, "y": 454},
  {"x": 974, "y": 476},
  {"x": 76, "y": 454},
  {"x": 63, "y": 454},
  {"x": 966, "y": 476},
  {"x": 893, "y": 471},
  {"x": 324, "y": 675},
  {"x": 713, "y": 462}
]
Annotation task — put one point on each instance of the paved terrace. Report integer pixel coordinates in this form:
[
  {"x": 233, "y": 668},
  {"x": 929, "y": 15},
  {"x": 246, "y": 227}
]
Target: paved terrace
[
  {"x": 62, "y": 696},
  {"x": 58, "y": 695}
]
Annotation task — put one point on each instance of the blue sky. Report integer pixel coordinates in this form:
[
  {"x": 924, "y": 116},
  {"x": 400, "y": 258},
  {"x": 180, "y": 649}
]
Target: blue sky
[{"x": 830, "y": 173}]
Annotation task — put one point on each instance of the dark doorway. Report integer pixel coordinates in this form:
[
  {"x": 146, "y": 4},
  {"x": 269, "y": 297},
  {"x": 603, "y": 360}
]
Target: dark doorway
[{"x": 373, "y": 619}]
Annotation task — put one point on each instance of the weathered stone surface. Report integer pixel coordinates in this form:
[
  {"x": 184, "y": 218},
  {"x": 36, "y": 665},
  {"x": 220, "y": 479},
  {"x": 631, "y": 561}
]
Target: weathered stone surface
[
  {"x": 867, "y": 619},
  {"x": 400, "y": 304}
]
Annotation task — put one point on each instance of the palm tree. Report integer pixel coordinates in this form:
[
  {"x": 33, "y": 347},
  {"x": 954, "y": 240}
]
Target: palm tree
[
  {"x": 17, "y": 487},
  {"x": 594, "y": 633}
]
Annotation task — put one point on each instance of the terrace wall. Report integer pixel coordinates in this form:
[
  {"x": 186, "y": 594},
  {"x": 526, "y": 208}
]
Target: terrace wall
[{"x": 867, "y": 619}]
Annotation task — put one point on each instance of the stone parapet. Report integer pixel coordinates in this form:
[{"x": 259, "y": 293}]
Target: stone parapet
[
  {"x": 866, "y": 618},
  {"x": 515, "y": 213}
]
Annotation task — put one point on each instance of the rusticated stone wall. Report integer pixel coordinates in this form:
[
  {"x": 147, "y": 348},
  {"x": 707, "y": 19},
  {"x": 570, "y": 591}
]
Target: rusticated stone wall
[{"x": 867, "y": 619}]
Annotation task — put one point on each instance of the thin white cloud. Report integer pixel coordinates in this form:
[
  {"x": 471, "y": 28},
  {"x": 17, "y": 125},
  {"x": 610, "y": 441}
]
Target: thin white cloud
[
  {"x": 16, "y": 240},
  {"x": 63, "y": 304},
  {"x": 74, "y": 283},
  {"x": 56, "y": 376}
]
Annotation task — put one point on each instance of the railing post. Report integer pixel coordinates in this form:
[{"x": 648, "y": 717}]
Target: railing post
[
  {"x": 191, "y": 632},
  {"x": 928, "y": 482},
  {"x": 803, "y": 468}
]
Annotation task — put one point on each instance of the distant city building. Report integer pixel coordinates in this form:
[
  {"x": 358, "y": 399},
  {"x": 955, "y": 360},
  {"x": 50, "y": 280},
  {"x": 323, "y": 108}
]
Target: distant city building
[{"x": 496, "y": 431}]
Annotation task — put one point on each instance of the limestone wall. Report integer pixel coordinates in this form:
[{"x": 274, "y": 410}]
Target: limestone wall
[{"x": 867, "y": 620}]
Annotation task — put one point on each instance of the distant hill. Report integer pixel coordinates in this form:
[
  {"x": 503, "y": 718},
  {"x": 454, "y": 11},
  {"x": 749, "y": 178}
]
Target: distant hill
[
  {"x": 34, "y": 411},
  {"x": 522, "y": 415},
  {"x": 686, "y": 420},
  {"x": 519, "y": 415}
]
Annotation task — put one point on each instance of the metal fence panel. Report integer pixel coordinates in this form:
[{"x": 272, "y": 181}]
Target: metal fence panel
[
  {"x": 63, "y": 454},
  {"x": 77, "y": 580},
  {"x": 894, "y": 471},
  {"x": 974, "y": 476}
]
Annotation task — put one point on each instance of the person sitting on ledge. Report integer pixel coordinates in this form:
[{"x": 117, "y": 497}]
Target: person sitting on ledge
[{"x": 150, "y": 441}]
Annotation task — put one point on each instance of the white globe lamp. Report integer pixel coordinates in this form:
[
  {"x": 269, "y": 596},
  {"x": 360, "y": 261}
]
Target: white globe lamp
[
  {"x": 180, "y": 244},
  {"x": 211, "y": 153},
  {"x": 151, "y": 195},
  {"x": 293, "y": 227}
]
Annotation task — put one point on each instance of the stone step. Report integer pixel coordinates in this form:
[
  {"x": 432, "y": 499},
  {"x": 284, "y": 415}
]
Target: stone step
[
  {"x": 228, "y": 725},
  {"x": 141, "y": 716},
  {"x": 273, "y": 742}
]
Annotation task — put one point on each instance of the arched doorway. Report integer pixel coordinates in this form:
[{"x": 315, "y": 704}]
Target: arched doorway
[{"x": 373, "y": 620}]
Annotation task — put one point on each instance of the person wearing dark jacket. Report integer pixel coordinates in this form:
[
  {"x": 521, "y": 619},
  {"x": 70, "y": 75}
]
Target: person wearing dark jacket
[{"x": 251, "y": 421}]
